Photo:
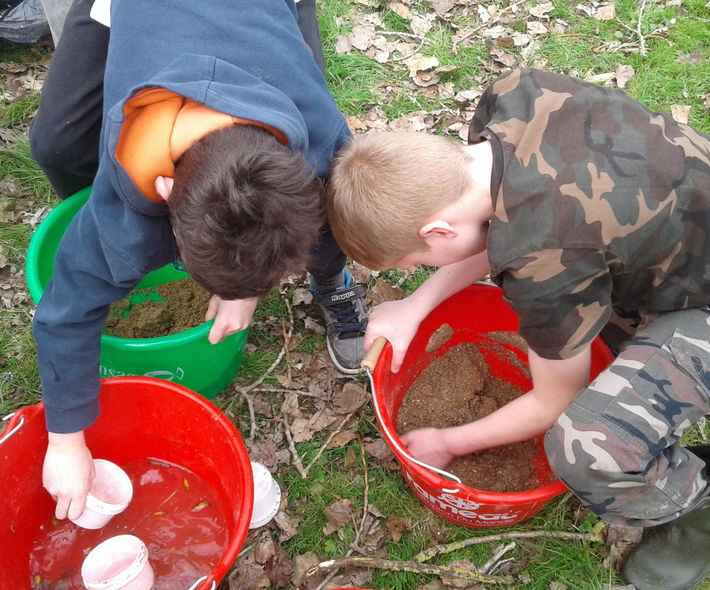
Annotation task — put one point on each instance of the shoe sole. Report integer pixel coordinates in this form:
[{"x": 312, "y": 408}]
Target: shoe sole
[{"x": 337, "y": 364}]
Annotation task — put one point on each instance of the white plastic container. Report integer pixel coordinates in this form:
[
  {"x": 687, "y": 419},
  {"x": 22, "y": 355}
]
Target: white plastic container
[
  {"x": 110, "y": 494},
  {"x": 119, "y": 563},
  {"x": 267, "y": 496}
]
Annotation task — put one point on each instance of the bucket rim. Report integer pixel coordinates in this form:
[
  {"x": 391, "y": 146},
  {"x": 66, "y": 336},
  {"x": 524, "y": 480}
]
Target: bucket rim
[
  {"x": 241, "y": 528},
  {"x": 542, "y": 493},
  {"x": 39, "y": 236},
  {"x": 36, "y": 289}
]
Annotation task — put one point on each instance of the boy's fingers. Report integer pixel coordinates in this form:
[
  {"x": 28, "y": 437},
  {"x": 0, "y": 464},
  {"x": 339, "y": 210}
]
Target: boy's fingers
[
  {"x": 61, "y": 510},
  {"x": 216, "y": 333},
  {"x": 396, "y": 363},
  {"x": 76, "y": 507},
  {"x": 212, "y": 307}
]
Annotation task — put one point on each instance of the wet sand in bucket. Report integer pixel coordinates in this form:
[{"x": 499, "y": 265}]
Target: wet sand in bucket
[{"x": 455, "y": 389}]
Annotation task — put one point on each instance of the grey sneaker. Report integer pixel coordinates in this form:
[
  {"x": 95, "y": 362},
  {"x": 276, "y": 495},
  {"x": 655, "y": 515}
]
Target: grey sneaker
[{"x": 345, "y": 321}]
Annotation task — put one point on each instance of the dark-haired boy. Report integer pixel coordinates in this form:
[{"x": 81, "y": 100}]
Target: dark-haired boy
[
  {"x": 217, "y": 128},
  {"x": 591, "y": 213}
]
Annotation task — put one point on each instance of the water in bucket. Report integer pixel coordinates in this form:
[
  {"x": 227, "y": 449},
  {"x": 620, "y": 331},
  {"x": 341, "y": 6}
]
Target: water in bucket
[{"x": 177, "y": 516}]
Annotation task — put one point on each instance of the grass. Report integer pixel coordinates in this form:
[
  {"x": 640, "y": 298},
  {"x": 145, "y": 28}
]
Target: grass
[{"x": 676, "y": 70}]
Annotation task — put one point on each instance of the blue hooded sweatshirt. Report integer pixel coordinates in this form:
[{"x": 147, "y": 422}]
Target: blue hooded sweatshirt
[{"x": 244, "y": 58}]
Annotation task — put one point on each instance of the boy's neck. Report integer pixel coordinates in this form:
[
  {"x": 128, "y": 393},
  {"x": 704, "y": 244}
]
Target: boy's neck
[{"x": 480, "y": 170}]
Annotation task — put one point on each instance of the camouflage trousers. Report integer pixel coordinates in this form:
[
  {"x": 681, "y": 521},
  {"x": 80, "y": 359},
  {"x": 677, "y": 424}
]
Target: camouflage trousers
[{"x": 616, "y": 446}]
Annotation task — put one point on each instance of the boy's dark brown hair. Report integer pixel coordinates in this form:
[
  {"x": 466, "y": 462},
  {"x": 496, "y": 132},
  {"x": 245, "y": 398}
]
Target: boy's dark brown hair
[
  {"x": 245, "y": 210},
  {"x": 385, "y": 186}
]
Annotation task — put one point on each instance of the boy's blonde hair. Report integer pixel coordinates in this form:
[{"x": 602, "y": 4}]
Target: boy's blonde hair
[{"x": 385, "y": 186}]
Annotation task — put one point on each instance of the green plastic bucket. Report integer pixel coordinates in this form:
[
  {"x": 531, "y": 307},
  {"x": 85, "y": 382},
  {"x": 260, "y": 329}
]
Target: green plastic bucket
[{"x": 186, "y": 358}]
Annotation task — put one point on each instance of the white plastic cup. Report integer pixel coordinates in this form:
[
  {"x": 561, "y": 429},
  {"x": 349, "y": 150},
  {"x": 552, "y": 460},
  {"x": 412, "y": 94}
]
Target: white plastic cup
[
  {"x": 267, "y": 496},
  {"x": 119, "y": 563},
  {"x": 110, "y": 494}
]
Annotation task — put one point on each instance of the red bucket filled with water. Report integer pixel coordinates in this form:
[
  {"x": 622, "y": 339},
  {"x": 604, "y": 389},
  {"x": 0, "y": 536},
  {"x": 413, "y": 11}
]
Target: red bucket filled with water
[
  {"x": 472, "y": 314},
  {"x": 191, "y": 473}
]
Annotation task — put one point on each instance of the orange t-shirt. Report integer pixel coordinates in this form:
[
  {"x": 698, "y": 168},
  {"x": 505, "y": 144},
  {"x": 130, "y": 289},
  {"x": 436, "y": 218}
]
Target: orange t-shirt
[{"x": 159, "y": 126}]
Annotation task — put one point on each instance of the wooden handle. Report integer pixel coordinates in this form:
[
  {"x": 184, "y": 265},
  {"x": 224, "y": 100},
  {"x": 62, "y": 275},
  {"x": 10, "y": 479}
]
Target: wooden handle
[{"x": 370, "y": 359}]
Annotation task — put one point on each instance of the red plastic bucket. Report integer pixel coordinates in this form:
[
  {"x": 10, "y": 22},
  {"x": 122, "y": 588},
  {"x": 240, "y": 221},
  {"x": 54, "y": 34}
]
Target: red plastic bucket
[
  {"x": 472, "y": 314},
  {"x": 140, "y": 417}
]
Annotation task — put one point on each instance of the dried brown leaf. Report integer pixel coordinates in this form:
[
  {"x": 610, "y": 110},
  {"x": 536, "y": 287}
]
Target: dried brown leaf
[
  {"x": 288, "y": 525},
  {"x": 395, "y": 525},
  {"x": 279, "y": 568},
  {"x": 338, "y": 515},
  {"x": 605, "y": 11},
  {"x": 383, "y": 291},
  {"x": 350, "y": 398},
  {"x": 401, "y": 9},
  {"x": 379, "y": 450},
  {"x": 680, "y": 112}
]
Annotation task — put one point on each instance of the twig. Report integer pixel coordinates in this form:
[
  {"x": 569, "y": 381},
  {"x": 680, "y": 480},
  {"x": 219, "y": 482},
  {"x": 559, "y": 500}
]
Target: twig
[
  {"x": 244, "y": 391},
  {"x": 400, "y": 34},
  {"x": 637, "y": 30},
  {"x": 287, "y": 338},
  {"x": 354, "y": 546},
  {"x": 409, "y": 566},
  {"x": 292, "y": 448},
  {"x": 406, "y": 57},
  {"x": 642, "y": 40},
  {"x": 327, "y": 442},
  {"x": 280, "y": 390},
  {"x": 494, "y": 561},
  {"x": 441, "y": 549},
  {"x": 252, "y": 415}
]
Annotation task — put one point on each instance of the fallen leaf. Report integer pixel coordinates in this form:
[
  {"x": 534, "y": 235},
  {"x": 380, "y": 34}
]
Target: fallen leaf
[
  {"x": 395, "y": 524},
  {"x": 400, "y": 9},
  {"x": 380, "y": 451},
  {"x": 680, "y": 112},
  {"x": 605, "y": 12},
  {"x": 279, "y": 568},
  {"x": 383, "y": 291},
  {"x": 421, "y": 63},
  {"x": 341, "y": 439},
  {"x": 338, "y": 514},
  {"x": 443, "y": 6},
  {"x": 264, "y": 550},
  {"x": 350, "y": 398},
  {"x": 623, "y": 74},
  {"x": 288, "y": 525},
  {"x": 343, "y": 44},
  {"x": 541, "y": 10},
  {"x": 301, "y": 564}
]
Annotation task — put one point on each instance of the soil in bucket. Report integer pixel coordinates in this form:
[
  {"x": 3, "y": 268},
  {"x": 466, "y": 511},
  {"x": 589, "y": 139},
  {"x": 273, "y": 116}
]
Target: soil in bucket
[
  {"x": 158, "y": 311},
  {"x": 455, "y": 389},
  {"x": 175, "y": 514}
]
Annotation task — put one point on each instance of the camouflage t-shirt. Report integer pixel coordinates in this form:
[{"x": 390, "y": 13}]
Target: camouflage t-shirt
[{"x": 599, "y": 205}]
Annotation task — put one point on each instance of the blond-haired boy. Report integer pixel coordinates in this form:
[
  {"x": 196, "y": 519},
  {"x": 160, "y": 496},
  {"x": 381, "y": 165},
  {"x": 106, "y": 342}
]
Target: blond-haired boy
[{"x": 591, "y": 213}]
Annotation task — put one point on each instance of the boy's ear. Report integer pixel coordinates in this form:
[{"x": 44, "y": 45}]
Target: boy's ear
[
  {"x": 164, "y": 186},
  {"x": 437, "y": 228}
]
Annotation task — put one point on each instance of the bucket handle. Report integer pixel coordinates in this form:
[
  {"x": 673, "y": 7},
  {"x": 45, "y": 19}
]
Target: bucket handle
[
  {"x": 368, "y": 364},
  {"x": 202, "y": 579},
  {"x": 17, "y": 426}
]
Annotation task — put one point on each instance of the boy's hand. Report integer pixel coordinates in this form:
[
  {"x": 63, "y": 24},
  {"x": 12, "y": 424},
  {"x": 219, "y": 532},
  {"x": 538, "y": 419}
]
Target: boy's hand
[
  {"x": 429, "y": 445},
  {"x": 397, "y": 321},
  {"x": 67, "y": 473},
  {"x": 230, "y": 316}
]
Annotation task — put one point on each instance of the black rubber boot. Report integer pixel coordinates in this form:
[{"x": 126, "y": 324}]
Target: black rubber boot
[{"x": 673, "y": 556}]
